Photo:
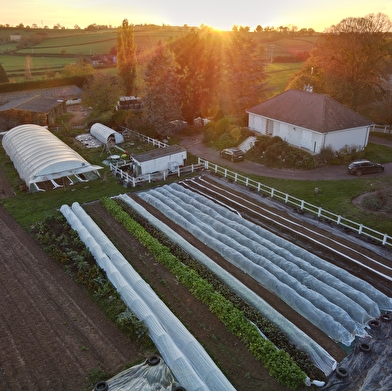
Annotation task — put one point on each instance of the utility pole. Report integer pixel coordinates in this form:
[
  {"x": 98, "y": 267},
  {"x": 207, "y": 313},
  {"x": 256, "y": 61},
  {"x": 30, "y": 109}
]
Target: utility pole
[{"x": 272, "y": 47}]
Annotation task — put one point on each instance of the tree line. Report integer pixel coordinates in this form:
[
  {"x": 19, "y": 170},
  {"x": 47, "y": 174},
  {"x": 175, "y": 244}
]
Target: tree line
[
  {"x": 352, "y": 63},
  {"x": 196, "y": 75},
  {"x": 201, "y": 75}
]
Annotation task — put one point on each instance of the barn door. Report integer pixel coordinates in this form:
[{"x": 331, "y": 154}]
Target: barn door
[{"x": 269, "y": 127}]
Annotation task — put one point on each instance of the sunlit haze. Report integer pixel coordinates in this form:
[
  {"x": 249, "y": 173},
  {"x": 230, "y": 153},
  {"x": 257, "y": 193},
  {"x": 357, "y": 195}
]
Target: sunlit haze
[{"x": 213, "y": 13}]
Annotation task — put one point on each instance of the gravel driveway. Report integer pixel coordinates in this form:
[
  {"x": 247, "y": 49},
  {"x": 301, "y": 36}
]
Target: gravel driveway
[{"x": 195, "y": 146}]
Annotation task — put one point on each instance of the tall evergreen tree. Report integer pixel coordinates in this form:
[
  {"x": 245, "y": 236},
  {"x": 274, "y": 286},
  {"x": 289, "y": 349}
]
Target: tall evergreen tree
[
  {"x": 126, "y": 57},
  {"x": 162, "y": 100},
  {"x": 211, "y": 68},
  {"x": 189, "y": 51},
  {"x": 3, "y": 75},
  {"x": 245, "y": 72}
]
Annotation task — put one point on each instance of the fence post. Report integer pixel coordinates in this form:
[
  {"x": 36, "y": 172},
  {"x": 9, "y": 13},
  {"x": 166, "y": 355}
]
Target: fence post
[
  {"x": 384, "y": 241},
  {"x": 319, "y": 212}
]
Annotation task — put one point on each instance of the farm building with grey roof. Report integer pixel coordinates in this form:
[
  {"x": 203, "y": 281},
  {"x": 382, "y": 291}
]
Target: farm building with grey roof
[{"x": 311, "y": 121}]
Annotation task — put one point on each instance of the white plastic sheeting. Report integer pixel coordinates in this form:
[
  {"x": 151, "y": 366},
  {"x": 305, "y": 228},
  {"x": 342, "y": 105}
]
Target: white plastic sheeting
[
  {"x": 329, "y": 297},
  {"x": 188, "y": 360},
  {"x": 144, "y": 377},
  {"x": 39, "y": 156},
  {"x": 318, "y": 355},
  {"x": 103, "y": 133}
]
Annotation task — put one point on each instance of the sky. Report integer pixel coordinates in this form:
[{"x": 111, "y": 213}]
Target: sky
[{"x": 218, "y": 14}]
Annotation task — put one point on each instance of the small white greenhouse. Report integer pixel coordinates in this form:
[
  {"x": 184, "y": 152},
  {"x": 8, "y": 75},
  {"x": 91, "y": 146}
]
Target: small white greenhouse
[
  {"x": 105, "y": 134},
  {"x": 41, "y": 157}
]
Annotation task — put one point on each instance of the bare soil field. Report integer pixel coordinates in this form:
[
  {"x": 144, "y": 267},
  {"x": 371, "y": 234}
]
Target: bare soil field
[{"x": 52, "y": 335}]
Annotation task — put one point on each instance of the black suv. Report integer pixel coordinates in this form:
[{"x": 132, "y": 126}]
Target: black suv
[
  {"x": 364, "y": 167},
  {"x": 233, "y": 154}
]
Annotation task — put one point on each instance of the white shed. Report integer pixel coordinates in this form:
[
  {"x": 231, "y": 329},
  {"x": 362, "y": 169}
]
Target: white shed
[
  {"x": 39, "y": 156},
  {"x": 311, "y": 121},
  {"x": 159, "y": 159},
  {"x": 105, "y": 134}
]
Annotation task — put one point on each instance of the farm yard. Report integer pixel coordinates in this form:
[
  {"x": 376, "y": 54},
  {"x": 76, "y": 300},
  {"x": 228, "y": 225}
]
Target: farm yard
[
  {"x": 210, "y": 267},
  {"x": 230, "y": 353},
  {"x": 337, "y": 250},
  {"x": 341, "y": 251}
]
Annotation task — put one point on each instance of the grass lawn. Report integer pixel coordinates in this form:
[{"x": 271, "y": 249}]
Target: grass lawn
[{"x": 334, "y": 196}]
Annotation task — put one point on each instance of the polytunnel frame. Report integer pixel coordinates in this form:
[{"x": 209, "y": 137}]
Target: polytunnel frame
[
  {"x": 194, "y": 368},
  {"x": 103, "y": 133},
  {"x": 39, "y": 156}
]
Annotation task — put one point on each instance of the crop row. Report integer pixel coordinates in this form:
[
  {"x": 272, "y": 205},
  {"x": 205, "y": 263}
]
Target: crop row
[{"x": 279, "y": 363}]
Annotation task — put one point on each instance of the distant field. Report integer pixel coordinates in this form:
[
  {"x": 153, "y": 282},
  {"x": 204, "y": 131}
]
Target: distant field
[
  {"x": 77, "y": 44},
  {"x": 280, "y": 74},
  {"x": 62, "y": 47},
  {"x": 74, "y": 44}
]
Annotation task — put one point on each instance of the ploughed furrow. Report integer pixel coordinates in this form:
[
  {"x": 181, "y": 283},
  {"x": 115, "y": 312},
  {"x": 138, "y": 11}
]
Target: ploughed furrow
[
  {"x": 32, "y": 321},
  {"x": 48, "y": 341},
  {"x": 311, "y": 235}
]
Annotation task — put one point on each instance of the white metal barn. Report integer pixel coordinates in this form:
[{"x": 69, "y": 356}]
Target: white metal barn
[
  {"x": 159, "y": 159},
  {"x": 39, "y": 156},
  {"x": 105, "y": 134},
  {"x": 311, "y": 121}
]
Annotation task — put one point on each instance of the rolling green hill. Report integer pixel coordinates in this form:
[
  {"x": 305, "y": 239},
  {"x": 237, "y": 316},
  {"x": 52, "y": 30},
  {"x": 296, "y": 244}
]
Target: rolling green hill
[{"x": 51, "y": 49}]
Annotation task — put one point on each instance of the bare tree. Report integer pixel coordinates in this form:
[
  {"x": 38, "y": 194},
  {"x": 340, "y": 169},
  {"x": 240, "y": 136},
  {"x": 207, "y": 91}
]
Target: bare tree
[
  {"x": 351, "y": 59},
  {"x": 28, "y": 67}
]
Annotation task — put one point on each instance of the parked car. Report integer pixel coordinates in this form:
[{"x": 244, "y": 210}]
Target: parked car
[
  {"x": 233, "y": 154},
  {"x": 364, "y": 167}
]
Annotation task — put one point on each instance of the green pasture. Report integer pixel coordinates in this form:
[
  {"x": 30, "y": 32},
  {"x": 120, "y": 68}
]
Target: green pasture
[
  {"x": 80, "y": 43},
  {"x": 334, "y": 196},
  {"x": 85, "y": 44},
  {"x": 13, "y": 64},
  {"x": 279, "y": 75},
  {"x": 277, "y": 46}
]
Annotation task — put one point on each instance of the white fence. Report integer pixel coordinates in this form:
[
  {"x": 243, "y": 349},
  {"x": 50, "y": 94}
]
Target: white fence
[
  {"x": 147, "y": 139},
  {"x": 131, "y": 181},
  {"x": 381, "y": 129},
  {"x": 300, "y": 205}
]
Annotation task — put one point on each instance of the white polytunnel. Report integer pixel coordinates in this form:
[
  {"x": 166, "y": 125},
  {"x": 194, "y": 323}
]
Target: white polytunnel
[
  {"x": 39, "y": 156},
  {"x": 105, "y": 134}
]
